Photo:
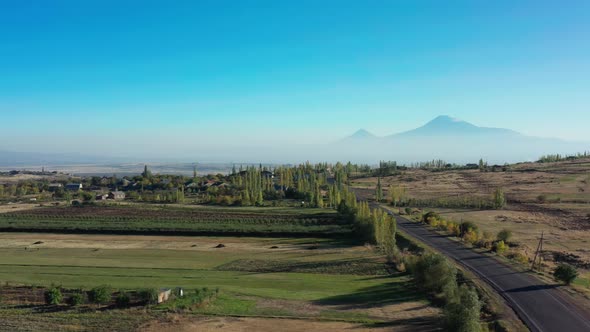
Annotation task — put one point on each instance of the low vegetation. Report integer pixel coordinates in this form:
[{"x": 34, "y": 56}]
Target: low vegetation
[{"x": 565, "y": 273}]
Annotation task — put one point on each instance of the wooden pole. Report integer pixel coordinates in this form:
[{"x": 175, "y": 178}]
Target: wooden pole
[{"x": 537, "y": 252}]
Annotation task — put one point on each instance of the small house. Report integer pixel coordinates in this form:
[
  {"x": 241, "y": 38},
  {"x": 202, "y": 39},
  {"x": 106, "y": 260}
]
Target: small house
[
  {"x": 74, "y": 186},
  {"x": 164, "y": 294},
  {"x": 116, "y": 195}
]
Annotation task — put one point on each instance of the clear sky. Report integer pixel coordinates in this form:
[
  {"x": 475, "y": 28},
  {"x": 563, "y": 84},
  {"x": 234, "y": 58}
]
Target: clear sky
[{"x": 77, "y": 73}]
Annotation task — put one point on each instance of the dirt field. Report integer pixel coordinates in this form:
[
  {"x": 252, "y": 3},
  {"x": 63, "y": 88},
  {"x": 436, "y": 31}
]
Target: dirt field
[
  {"x": 553, "y": 198},
  {"x": 235, "y": 324}
]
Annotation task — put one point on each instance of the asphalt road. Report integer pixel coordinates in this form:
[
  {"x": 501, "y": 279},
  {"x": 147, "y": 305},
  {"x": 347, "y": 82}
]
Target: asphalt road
[{"x": 539, "y": 305}]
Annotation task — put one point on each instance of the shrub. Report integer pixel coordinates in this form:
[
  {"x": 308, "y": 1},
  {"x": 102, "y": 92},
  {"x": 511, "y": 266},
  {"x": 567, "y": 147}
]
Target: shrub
[
  {"x": 53, "y": 296},
  {"x": 485, "y": 240},
  {"x": 565, "y": 273},
  {"x": 500, "y": 247},
  {"x": 100, "y": 295},
  {"x": 122, "y": 299},
  {"x": 504, "y": 235},
  {"x": 542, "y": 198},
  {"x": 467, "y": 226},
  {"x": 429, "y": 217},
  {"x": 470, "y": 236},
  {"x": 453, "y": 228},
  {"x": 462, "y": 314},
  {"x": 75, "y": 299},
  {"x": 149, "y": 295},
  {"x": 518, "y": 257}
]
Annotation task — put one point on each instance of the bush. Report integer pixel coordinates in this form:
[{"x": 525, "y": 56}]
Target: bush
[
  {"x": 53, "y": 296},
  {"x": 518, "y": 257},
  {"x": 565, "y": 273},
  {"x": 467, "y": 226},
  {"x": 462, "y": 314},
  {"x": 100, "y": 295},
  {"x": 500, "y": 247},
  {"x": 149, "y": 295},
  {"x": 122, "y": 299},
  {"x": 429, "y": 217},
  {"x": 504, "y": 235},
  {"x": 485, "y": 240},
  {"x": 470, "y": 237},
  {"x": 75, "y": 299},
  {"x": 453, "y": 228}
]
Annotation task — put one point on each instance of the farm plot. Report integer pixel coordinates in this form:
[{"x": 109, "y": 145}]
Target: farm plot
[
  {"x": 150, "y": 220},
  {"x": 325, "y": 283}
]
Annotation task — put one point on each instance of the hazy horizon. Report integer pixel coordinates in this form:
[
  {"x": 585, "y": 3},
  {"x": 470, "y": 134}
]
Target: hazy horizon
[{"x": 230, "y": 81}]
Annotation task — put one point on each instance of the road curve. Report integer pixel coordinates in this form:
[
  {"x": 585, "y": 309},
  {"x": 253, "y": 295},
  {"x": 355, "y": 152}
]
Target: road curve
[{"x": 542, "y": 307}]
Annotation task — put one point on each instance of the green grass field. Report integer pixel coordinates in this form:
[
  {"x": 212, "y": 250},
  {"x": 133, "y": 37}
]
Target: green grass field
[{"x": 327, "y": 279}]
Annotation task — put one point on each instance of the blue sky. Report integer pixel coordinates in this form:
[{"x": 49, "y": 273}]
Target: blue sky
[{"x": 238, "y": 72}]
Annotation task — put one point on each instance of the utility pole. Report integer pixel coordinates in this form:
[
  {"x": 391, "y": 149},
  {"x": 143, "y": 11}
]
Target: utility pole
[{"x": 538, "y": 253}]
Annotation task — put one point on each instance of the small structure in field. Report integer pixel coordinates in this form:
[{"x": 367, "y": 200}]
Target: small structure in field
[
  {"x": 74, "y": 186},
  {"x": 116, "y": 195},
  {"x": 102, "y": 197},
  {"x": 164, "y": 294}
]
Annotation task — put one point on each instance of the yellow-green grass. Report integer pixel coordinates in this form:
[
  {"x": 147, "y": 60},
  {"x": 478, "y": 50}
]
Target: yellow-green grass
[{"x": 136, "y": 268}]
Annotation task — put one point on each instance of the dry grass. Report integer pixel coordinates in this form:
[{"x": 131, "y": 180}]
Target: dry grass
[
  {"x": 237, "y": 324},
  {"x": 9, "y": 208},
  {"x": 553, "y": 198}
]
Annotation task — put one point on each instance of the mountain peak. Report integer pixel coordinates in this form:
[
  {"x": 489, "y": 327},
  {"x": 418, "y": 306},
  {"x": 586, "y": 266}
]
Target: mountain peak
[
  {"x": 445, "y": 119},
  {"x": 362, "y": 133},
  {"x": 444, "y": 125}
]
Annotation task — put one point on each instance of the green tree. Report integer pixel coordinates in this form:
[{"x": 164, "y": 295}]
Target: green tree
[
  {"x": 75, "y": 299},
  {"x": 433, "y": 273},
  {"x": 499, "y": 199},
  {"x": 87, "y": 197},
  {"x": 379, "y": 191},
  {"x": 100, "y": 295},
  {"x": 122, "y": 299},
  {"x": 146, "y": 172},
  {"x": 53, "y": 296},
  {"x": 565, "y": 273},
  {"x": 462, "y": 313},
  {"x": 149, "y": 295}
]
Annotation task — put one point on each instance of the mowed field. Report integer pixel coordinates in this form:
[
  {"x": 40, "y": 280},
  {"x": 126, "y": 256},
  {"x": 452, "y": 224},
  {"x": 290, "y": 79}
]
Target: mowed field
[
  {"x": 301, "y": 283},
  {"x": 553, "y": 198}
]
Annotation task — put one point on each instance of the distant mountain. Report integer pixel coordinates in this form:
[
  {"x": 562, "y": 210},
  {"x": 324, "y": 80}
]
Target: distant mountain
[
  {"x": 360, "y": 136},
  {"x": 445, "y": 125},
  {"x": 452, "y": 140},
  {"x": 361, "y": 133}
]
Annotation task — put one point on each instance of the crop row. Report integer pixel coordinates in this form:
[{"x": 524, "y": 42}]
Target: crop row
[{"x": 125, "y": 219}]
